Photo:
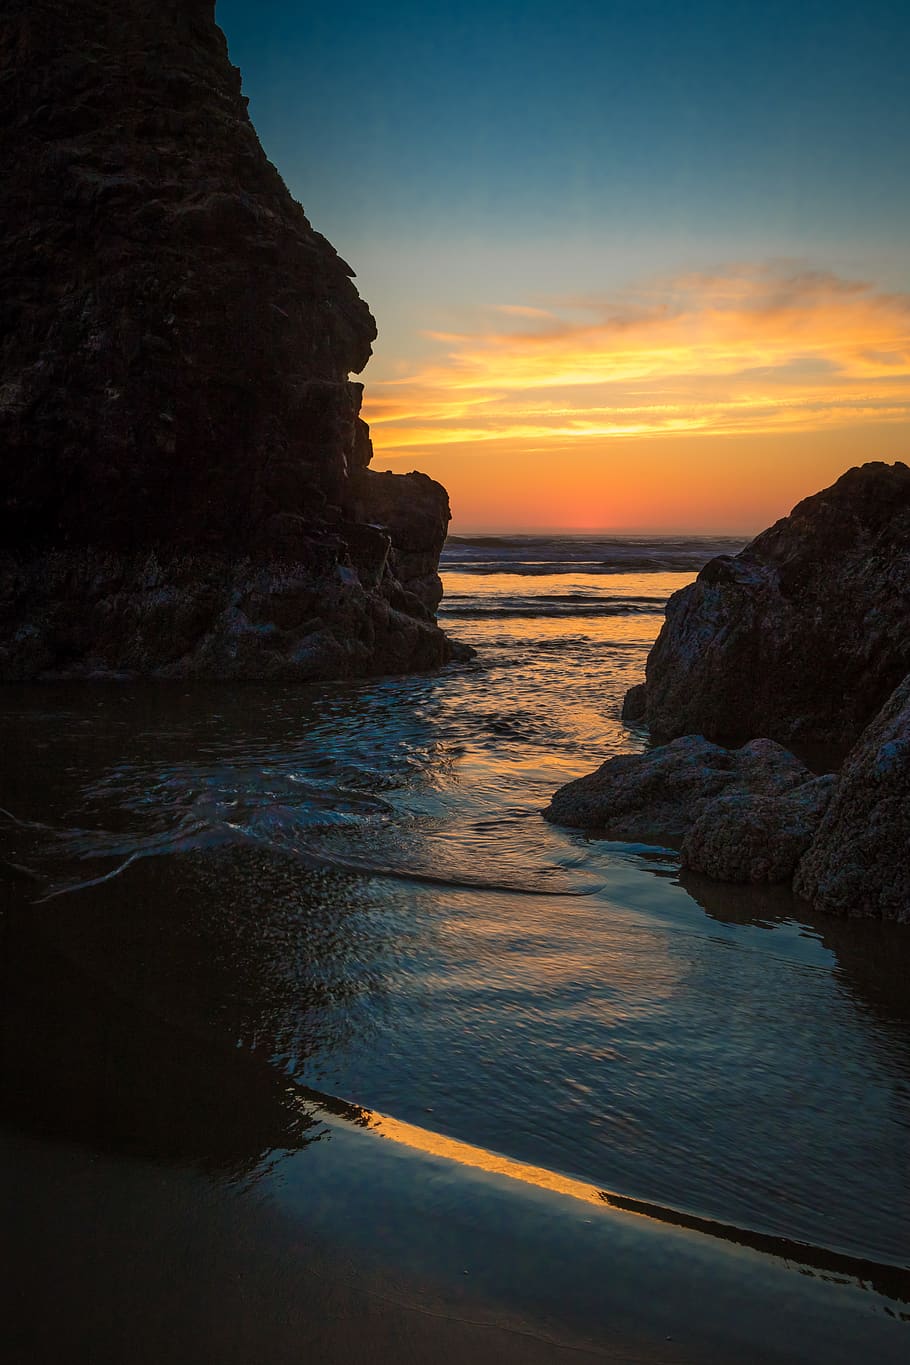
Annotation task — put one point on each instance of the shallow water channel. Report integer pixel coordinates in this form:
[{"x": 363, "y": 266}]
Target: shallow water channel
[{"x": 212, "y": 891}]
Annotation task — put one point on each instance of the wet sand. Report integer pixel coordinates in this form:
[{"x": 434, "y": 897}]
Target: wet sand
[
  {"x": 170, "y": 1195},
  {"x": 204, "y": 1209},
  {"x": 360, "y": 1246}
]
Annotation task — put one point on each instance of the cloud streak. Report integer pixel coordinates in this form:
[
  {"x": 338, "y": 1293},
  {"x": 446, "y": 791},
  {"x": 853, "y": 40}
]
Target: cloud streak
[{"x": 753, "y": 349}]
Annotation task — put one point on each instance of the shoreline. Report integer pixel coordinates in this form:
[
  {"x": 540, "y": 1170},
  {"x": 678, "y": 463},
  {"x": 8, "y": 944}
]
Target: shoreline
[
  {"x": 424, "y": 1253},
  {"x": 890, "y": 1278}
]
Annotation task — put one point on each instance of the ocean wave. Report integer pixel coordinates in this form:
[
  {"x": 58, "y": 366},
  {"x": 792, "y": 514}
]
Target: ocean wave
[
  {"x": 60, "y": 856},
  {"x": 547, "y": 607},
  {"x": 538, "y": 555},
  {"x": 583, "y": 599}
]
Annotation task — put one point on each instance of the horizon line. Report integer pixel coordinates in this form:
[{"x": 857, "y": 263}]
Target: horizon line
[{"x": 597, "y": 531}]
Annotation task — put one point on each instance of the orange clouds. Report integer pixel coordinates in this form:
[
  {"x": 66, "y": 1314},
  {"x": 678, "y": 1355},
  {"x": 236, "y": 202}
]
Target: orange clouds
[{"x": 755, "y": 350}]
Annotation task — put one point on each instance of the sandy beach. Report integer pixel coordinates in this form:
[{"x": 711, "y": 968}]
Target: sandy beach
[
  {"x": 359, "y": 1246},
  {"x": 206, "y": 1209}
]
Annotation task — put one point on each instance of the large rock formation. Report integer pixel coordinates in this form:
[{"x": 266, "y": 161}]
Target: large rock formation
[
  {"x": 656, "y": 797},
  {"x": 183, "y": 471},
  {"x": 803, "y": 635},
  {"x": 859, "y": 862}
]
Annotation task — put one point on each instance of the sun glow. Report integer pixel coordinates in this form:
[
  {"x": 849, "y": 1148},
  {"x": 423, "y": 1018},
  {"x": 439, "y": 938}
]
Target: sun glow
[
  {"x": 751, "y": 351},
  {"x": 602, "y": 390}
]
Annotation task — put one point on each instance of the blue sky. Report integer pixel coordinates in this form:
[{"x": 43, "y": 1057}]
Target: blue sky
[{"x": 652, "y": 116}]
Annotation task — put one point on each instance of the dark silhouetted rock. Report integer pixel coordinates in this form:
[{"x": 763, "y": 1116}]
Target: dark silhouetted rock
[
  {"x": 802, "y": 636},
  {"x": 183, "y": 469},
  {"x": 635, "y": 705},
  {"x": 859, "y": 861},
  {"x": 657, "y": 796},
  {"x": 744, "y": 837},
  {"x": 408, "y": 508}
]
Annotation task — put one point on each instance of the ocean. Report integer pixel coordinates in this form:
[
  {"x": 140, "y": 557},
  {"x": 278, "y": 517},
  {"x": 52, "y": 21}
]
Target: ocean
[{"x": 351, "y": 889}]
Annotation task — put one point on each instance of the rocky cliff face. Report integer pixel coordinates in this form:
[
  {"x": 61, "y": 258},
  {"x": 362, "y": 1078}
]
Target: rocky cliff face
[
  {"x": 802, "y": 636},
  {"x": 184, "y": 485}
]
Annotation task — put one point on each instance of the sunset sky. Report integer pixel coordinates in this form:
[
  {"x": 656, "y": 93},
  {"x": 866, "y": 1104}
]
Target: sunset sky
[{"x": 636, "y": 266}]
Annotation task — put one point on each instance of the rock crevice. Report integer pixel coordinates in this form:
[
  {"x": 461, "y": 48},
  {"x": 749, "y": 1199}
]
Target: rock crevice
[{"x": 859, "y": 862}]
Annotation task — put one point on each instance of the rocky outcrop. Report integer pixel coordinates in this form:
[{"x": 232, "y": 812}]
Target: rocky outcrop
[
  {"x": 409, "y": 508},
  {"x": 803, "y": 635},
  {"x": 658, "y": 796},
  {"x": 323, "y": 613},
  {"x": 183, "y": 469},
  {"x": 859, "y": 862},
  {"x": 744, "y": 837}
]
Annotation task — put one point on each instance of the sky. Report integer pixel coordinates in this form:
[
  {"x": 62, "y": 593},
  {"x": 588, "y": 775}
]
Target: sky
[{"x": 636, "y": 265}]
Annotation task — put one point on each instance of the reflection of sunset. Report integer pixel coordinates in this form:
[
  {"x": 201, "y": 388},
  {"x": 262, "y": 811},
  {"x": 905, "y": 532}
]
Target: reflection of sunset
[
  {"x": 478, "y": 1158},
  {"x": 755, "y": 353},
  {"x": 810, "y": 1258},
  {"x": 451, "y": 1149}
]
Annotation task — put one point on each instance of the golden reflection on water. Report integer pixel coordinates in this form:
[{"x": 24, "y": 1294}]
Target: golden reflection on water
[
  {"x": 477, "y": 1158},
  {"x": 888, "y": 1279},
  {"x": 577, "y": 639},
  {"x": 641, "y": 595},
  {"x": 637, "y": 631}
]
